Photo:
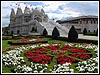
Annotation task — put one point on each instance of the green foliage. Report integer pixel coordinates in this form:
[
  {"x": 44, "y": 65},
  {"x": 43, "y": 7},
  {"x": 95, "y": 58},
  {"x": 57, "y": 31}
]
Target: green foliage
[
  {"x": 87, "y": 41},
  {"x": 97, "y": 32},
  {"x": 55, "y": 33},
  {"x": 6, "y": 69},
  {"x": 45, "y": 33},
  {"x": 72, "y": 35},
  {"x": 84, "y": 31},
  {"x": 5, "y": 44}
]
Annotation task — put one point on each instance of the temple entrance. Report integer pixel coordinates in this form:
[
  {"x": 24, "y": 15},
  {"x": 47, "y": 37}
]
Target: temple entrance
[
  {"x": 18, "y": 32},
  {"x": 11, "y": 32},
  {"x": 34, "y": 29}
]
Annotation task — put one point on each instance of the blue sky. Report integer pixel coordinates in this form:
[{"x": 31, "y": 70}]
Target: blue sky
[{"x": 54, "y": 9}]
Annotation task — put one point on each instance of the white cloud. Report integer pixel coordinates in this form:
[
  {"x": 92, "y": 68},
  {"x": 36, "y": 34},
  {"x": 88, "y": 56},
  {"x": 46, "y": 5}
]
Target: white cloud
[{"x": 52, "y": 6}]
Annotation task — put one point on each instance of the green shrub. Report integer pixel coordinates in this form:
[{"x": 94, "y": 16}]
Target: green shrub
[
  {"x": 84, "y": 31},
  {"x": 97, "y": 32},
  {"x": 6, "y": 37},
  {"x": 72, "y": 35},
  {"x": 87, "y": 41},
  {"x": 45, "y": 33},
  {"x": 55, "y": 33}
]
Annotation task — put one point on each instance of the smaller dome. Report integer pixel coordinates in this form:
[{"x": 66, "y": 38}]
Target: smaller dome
[{"x": 27, "y": 10}]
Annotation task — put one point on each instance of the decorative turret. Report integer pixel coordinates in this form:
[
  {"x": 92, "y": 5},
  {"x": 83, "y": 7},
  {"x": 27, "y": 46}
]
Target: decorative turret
[
  {"x": 12, "y": 15},
  {"x": 42, "y": 11},
  {"x": 19, "y": 12},
  {"x": 32, "y": 10}
]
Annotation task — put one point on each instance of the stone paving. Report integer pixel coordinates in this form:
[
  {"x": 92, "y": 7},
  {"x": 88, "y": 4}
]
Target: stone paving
[
  {"x": 81, "y": 36},
  {"x": 88, "y": 37}
]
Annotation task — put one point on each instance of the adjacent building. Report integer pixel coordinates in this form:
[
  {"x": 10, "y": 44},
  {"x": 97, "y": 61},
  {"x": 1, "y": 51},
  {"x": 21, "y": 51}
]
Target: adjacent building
[{"x": 81, "y": 22}]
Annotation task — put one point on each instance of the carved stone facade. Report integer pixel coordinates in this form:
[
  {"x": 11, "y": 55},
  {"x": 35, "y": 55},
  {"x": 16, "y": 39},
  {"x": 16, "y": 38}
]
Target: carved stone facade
[{"x": 23, "y": 23}]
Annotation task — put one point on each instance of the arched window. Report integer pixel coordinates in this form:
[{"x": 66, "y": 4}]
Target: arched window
[
  {"x": 88, "y": 30},
  {"x": 38, "y": 19},
  {"x": 34, "y": 29},
  {"x": 11, "y": 32},
  {"x": 94, "y": 31},
  {"x": 91, "y": 22},
  {"x": 7, "y": 32},
  {"x": 18, "y": 31}
]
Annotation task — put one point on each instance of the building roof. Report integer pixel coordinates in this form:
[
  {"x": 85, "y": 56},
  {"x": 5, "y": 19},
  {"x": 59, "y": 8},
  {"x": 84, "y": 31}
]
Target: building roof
[{"x": 80, "y": 17}]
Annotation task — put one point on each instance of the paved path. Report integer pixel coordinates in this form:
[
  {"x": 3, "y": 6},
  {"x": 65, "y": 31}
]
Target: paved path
[
  {"x": 81, "y": 36},
  {"x": 88, "y": 37}
]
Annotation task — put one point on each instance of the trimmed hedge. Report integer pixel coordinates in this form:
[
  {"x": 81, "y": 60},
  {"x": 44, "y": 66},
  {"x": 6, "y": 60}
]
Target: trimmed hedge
[
  {"x": 90, "y": 34},
  {"x": 6, "y": 37},
  {"x": 72, "y": 35},
  {"x": 87, "y": 41},
  {"x": 77, "y": 41},
  {"x": 97, "y": 32},
  {"x": 55, "y": 33},
  {"x": 84, "y": 31},
  {"x": 10, "y": 42},
  {"x": 45, "y": 33}
]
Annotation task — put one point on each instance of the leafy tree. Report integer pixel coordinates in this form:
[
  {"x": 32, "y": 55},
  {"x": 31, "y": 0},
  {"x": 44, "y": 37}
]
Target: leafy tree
[
  {"x": 55, "y": 33},
  {"x": 45, "y": 33},
  {"x": 72, "y": 35}
]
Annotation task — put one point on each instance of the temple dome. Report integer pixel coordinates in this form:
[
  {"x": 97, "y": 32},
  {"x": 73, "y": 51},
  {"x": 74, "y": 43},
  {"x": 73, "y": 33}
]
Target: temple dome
[{"x": 27, "y": 10}]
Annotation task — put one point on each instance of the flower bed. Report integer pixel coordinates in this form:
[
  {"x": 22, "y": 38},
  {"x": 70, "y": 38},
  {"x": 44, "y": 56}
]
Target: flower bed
[
  {"x": 9, "y": 48},
  {"x": 61, "y": 60},
  {"x": 41, "y": 53},
  {"x": 38, "y": 58},
  {"x": 25, "y": 41},
  {"x": 6, "y": 38}
]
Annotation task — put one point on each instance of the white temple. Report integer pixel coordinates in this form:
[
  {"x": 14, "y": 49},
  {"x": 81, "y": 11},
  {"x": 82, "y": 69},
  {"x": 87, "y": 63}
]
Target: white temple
[{"x": 32, "y": 19}]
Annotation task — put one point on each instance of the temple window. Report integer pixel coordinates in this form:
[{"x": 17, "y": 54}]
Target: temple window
[
  {"x": 88, "y": 30},
  {"x": 94, "y": 31}
]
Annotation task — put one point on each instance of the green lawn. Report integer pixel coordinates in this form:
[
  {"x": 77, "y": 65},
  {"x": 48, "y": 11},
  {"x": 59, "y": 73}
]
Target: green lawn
[{"x": 5, "y": 44}]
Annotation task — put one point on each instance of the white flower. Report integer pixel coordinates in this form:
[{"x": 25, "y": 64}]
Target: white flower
[
  {"x": 35, "y": 71},
  {"x": 46, "y": 64},
  {"x": 84, "y": 62}
]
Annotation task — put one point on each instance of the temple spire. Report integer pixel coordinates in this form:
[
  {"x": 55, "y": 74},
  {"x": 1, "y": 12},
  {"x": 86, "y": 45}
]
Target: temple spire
[
  {"x": 19, "y": 11},
  {"x": 12, "y": 13},
  {"x": 42, "y": 11}
]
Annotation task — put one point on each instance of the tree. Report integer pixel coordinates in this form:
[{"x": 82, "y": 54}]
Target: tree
[
  {"x": 97, "y": 32},
  {"x": 84, "y": 31},
  {"x": 72, "y": 35},
  {"x": 55, "y": 33},
  {"x": 45, "y": 33}
]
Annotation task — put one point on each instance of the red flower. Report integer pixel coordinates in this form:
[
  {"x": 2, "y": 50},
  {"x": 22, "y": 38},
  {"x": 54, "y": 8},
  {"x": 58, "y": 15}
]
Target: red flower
[{"x": 39, "y": 55}]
